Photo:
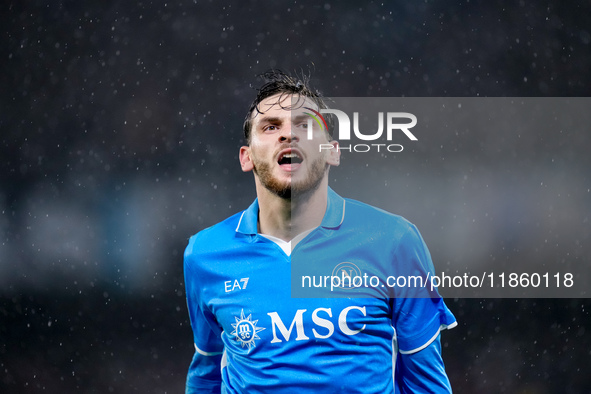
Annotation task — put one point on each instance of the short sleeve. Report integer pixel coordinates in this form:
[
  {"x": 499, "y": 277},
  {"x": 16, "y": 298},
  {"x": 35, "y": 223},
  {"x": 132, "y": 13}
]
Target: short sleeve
[
  {"x": 422, "y": 372},
  {"x": 418, "y": 313},
  {"x": 204, "y": 372}
]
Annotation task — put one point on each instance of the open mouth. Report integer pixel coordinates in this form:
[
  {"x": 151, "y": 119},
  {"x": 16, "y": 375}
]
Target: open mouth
[{"x": 290, "y": 158}]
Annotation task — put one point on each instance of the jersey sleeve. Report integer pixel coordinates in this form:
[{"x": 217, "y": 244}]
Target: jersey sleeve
[
  {"x": 422, "y": 371},
  {"x": 204, "y": 374},
  {"x": 418, "y": 313}
]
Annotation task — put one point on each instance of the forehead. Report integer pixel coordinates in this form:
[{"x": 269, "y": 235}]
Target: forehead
[{"x": 283, "y": 105}]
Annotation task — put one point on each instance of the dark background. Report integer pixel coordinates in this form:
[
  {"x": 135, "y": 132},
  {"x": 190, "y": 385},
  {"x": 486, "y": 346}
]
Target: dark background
[{"x": 120, "y": 125}]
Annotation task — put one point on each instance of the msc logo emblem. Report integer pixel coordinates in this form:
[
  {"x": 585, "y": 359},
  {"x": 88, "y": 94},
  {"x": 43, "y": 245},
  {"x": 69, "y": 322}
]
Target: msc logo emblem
[
  {"x": 346, "y": 271},
  {"x": 245, "y": 330}
]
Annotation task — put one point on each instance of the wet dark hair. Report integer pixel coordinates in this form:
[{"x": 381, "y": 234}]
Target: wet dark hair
[{"x": 283, "y": 84}]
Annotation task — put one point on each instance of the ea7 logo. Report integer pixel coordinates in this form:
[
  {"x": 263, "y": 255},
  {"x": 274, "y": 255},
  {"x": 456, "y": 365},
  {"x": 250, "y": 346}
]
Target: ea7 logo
[
  {"x": 235, "y": 284},
  {"x": 345, "y": 124},
  {"x": 320, "y": 319}
]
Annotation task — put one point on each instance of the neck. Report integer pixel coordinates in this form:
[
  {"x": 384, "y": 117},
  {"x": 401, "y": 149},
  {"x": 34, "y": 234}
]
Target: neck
[{"x": 286, "y": 218}]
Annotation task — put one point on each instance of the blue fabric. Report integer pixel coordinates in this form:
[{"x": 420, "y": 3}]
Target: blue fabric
[
  {"x": 422, "y": 371},
  {"x": 239, "y": 284}
]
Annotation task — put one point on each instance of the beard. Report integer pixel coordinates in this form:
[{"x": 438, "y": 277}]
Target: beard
[{"x": 289, "y": 189}]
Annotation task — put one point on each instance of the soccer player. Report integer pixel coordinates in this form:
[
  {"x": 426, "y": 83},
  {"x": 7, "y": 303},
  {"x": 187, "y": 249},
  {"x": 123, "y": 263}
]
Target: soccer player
[{"x": 250, "y": 335}]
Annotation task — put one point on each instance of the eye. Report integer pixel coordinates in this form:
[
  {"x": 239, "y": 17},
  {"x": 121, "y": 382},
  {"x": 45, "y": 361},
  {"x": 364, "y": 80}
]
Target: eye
[{"x": 270, "y": 128}]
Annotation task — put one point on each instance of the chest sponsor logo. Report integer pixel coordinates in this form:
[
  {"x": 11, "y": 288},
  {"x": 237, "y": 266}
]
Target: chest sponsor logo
[
  {"x": 321, "y": 326},
  {"x": 245, "y": 330},
  {"x": 321, "y": 323}
]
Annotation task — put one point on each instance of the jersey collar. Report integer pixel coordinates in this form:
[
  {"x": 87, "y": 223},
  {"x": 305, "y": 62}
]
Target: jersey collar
[
  {"x": 248, "y": 219},
  {"x": 334, "y": 216},
  {"x": 335, "y": 210}
]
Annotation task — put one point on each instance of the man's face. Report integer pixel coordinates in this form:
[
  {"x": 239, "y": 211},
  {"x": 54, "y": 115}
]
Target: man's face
[{"x": 284, "y": 160}]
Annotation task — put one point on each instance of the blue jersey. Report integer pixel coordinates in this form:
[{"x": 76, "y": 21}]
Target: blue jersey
[{"x": 251, "y": 336}]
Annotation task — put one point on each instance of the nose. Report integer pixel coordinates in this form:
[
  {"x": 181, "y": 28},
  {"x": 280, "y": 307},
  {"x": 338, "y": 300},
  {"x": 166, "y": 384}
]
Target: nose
[{"x": 287, "y": 135}]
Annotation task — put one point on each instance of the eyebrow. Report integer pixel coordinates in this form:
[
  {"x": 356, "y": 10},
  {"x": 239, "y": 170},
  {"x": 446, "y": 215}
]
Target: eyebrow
[
  {"x": 299, "y": 118},
  {"x": 270, "y": 119},
  {"x": 276, "y": 119}
]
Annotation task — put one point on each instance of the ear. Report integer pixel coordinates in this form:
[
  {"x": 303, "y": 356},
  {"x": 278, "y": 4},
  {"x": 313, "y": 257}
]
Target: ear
[
  {"x": 245, "y": 159},
  {"x": 334, "y": 154}
]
